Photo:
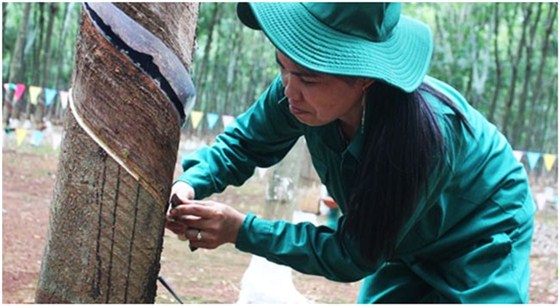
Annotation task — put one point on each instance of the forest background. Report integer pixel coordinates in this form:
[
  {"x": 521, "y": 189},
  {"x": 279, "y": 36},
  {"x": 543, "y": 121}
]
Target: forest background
[{"x": 502, "y": 56}]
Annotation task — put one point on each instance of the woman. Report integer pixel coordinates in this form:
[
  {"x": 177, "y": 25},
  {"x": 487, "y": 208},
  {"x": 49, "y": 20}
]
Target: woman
[{"x": 436, "y": 207}]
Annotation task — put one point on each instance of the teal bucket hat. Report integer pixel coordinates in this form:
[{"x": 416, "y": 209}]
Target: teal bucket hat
[{"x": 353, "y": 39}]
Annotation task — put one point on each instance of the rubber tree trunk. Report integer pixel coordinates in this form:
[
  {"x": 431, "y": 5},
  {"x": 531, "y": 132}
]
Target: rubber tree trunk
[{"x": 131, "y": 91}]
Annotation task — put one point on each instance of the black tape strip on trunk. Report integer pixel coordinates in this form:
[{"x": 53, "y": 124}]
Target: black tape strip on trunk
[{"x": 147, "y": 52}]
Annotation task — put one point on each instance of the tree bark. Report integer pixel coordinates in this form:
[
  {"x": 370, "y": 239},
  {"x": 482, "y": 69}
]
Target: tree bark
[{"x": 131, "y": 90}]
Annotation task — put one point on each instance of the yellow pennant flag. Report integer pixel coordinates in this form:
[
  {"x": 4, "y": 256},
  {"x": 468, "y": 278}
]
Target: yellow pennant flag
[
  {"x": 20, "y": 135},
  {"x": 34, "y": 92},
  {"x": 549, "y": 160},
  {"x": 196, "y": 117}
]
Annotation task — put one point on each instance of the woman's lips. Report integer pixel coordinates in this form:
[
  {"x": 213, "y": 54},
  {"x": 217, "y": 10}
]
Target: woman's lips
[{"x": 296, "y": 111}]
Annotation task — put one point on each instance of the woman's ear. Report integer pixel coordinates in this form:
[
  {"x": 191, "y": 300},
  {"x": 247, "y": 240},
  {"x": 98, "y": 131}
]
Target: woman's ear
[{"x": 365, "y": 83}]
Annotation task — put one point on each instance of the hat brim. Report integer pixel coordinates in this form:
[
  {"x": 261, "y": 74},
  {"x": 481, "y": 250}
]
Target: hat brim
[{"x": 402, "y": 60}]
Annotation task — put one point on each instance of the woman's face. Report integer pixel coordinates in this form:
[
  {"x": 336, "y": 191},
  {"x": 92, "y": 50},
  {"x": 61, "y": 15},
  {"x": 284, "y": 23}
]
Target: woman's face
[{"x": 317, "y": 99}]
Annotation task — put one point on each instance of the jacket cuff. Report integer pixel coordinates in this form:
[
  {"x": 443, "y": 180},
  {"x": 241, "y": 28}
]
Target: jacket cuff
[
  {"x": 199, "y": 183},
  {"x": 252, "y": 236}
]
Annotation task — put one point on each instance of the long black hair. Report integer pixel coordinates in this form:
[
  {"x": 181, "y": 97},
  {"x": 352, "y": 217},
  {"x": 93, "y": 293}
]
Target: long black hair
[{"x": 403, "y": 143}]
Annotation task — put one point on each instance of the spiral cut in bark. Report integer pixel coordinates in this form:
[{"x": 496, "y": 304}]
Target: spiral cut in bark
[{"x": 128, "y": 101}]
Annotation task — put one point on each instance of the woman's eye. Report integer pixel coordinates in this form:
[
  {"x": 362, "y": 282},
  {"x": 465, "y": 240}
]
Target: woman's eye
[{"x": 307, "y": 81}]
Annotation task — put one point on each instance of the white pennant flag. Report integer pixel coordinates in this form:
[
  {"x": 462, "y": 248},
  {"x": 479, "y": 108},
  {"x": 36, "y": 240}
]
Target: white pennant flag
[{"x": 63, "y": 98}]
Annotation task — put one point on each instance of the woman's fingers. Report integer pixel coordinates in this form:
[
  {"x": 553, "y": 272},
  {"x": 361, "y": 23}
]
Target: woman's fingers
[
  {"x": 176, "y": 227},
  {"x": 183, "y": 219},
  {"x": 207, "y": 224},
  {"x": 202, "y": 209},
  {"x": 202, "y": 239}
]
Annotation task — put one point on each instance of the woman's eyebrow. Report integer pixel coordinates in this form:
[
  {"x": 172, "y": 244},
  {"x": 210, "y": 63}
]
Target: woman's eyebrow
[{"x": 303, "y": 71}]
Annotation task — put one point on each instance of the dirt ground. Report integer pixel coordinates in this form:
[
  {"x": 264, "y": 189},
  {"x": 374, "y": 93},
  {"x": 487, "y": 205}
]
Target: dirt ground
[{"x": 29, "y": 174}]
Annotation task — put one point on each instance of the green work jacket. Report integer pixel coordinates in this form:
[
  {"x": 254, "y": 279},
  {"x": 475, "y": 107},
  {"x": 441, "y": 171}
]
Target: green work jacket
[{"x": 479, "y": 194}]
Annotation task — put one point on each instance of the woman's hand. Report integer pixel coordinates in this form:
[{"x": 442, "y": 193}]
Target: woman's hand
[
  {"x": 206, "y": 224},
  {"x": 181, "y": 193}
]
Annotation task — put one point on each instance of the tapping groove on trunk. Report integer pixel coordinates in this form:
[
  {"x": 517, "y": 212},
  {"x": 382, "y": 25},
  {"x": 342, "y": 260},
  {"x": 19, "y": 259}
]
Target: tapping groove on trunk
[
  {"x": 116, "y": 163},
  {"x": 99, "y": 197},
  {"x": 136, "y": 201},
  {"x": 114, "y": 214}
]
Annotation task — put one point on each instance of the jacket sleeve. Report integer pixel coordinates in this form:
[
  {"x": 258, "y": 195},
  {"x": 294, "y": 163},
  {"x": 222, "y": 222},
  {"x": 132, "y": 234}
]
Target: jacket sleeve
[
  {"x": 309, "y": 249},
  {"x": 261, "y": 137}
]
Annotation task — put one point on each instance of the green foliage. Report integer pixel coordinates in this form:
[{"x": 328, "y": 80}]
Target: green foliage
[
  {"x": 503, "y": 59},
  {"x": 238, "y": 65}
]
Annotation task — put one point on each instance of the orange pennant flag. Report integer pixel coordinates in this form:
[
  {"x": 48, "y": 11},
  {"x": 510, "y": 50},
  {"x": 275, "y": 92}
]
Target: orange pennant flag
[{"x": 549, "y": 160}]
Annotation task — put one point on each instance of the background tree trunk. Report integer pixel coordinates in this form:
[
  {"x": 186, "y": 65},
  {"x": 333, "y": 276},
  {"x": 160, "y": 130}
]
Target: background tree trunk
[
  {"x": 47, "y": 80},
  {"x": 59, "y": 57},
  {"x": 35, "y": 40},
  {"x": 515, "y": 60},
  {"x": 498, "y": 65},
  {"x": 17, "y": 65},
  {"x": 202, "y": 71},
  {"x": 118, "y": 156},
  {"x": 519, "y": 120},
  {"x": 538, "y": 89}
]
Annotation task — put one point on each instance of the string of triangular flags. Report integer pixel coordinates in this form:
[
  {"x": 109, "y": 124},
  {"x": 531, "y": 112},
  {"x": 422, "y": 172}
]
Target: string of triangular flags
[
  {"x": 533, "y": 158},
  {"x": 20, "y": 134},
  {"x": 35, "y": 92},
  {"x": 34, "y": 137},
  {"x": 50, "y": 95},
  {"x": 196, "y": 117}
]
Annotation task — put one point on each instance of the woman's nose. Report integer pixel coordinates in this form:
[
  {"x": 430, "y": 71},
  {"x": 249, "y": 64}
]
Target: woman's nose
[{"x": 291, "y": 88}]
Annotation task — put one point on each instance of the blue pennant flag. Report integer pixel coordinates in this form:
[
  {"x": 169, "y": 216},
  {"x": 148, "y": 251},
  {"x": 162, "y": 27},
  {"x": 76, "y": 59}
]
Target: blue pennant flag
[
  {"x": 49, "y": 96},
  {"x": 37, "y": 138},
  {"x": 212, "y": 119},
  {"x": 533, "y": 158}
]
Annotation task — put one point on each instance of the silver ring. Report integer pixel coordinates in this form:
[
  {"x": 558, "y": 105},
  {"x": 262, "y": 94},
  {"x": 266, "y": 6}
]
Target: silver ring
[{"x": 199, "y": 235}]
